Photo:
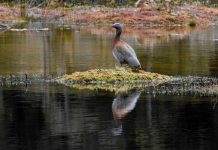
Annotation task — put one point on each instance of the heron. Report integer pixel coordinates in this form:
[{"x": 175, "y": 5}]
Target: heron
[{"x": 123, "y": 52}]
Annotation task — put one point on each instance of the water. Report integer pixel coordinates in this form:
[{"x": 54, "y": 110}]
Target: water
[
  {"x": 50, "y": 116},
  {"x": 53, "y": 117},
  {"x": 171, "y": 51}
]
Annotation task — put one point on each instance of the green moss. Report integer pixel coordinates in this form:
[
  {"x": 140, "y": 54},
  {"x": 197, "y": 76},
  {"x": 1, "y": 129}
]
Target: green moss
[
  {"x": 110, "y": 78},
  {"x": 117, "y": 87}
]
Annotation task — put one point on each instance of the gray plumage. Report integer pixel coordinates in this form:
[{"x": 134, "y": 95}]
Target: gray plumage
[{"x": 122, "y": 51}]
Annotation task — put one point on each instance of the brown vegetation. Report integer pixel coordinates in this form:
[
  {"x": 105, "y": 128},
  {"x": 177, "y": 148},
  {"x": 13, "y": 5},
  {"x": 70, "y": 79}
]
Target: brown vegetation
[
  {"x": 144, "y": 15},
  {"x": 9, "y": 13},
  {"x": 183, "y": 15}
]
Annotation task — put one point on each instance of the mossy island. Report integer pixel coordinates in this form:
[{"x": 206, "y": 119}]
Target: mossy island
[{"x": 112, "y": 79}]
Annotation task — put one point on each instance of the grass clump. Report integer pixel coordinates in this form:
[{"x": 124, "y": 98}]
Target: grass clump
[
  {"x": 192, "y": 24},
  {"x": 112, "y": 79},
  {"x": 120, "y": 75}
]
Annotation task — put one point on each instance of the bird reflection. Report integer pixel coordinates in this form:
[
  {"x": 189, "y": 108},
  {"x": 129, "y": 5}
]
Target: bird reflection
[{"x": 123, "y": 103}]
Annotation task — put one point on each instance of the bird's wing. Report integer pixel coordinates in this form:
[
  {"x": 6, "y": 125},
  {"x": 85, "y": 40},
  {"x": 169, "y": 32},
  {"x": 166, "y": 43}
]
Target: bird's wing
[
  {"x": 129, "y": 49},
  {"x": 120, "y": 57},
  {"x": 125, "y": 53}
]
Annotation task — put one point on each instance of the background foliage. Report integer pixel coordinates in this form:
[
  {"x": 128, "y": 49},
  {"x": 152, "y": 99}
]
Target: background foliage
[{"x": 38, "y": 3}]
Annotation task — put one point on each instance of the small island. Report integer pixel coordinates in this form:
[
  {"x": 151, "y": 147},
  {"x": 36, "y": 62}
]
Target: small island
[{"x": 112, "y": 79}]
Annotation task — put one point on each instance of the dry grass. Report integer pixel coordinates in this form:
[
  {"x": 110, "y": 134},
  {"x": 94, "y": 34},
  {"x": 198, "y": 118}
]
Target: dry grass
[
  {"x": 181, "y": 15},
  {"x": 112, "y": 79},
  {"x": 118, "y": 87},
  {"x": 112, "y": 76},
  {"x": 9, "y": 13}
]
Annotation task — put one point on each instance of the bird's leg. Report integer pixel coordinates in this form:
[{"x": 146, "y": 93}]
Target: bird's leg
[
  {"x": 121, "y": 66},
  {"x": 124, "y": 66},
  {"x": 118, "y": 65},
  {"x": 135, "y": 70}
]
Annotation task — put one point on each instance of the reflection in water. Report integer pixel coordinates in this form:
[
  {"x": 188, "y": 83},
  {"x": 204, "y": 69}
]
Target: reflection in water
[
  {"x": 149, "y": 37},
  {"x": 56, "y": 117},
  {"x": 171, "y": 51},
  {"x": 123, "y": 104}
]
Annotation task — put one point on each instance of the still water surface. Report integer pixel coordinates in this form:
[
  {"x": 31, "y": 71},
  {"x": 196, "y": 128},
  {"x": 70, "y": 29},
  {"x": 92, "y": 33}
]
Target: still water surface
[
  {"x": 65, "y": 49},
  {"x": 46, "y": 116}
]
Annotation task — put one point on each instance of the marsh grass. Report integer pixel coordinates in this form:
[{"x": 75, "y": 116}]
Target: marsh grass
[
  {"x": 121, "y": 75},
  {"x": 120, "y": 79}
]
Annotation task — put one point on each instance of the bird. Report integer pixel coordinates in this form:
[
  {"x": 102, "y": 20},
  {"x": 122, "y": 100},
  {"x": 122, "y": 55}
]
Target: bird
[
  {"x": 124, "y": 103},
  {"x": 123, "y": 52}
]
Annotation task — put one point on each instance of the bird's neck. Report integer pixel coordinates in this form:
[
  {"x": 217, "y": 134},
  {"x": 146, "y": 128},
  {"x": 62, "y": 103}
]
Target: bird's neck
[
  {"x": 117, "y": 37},
  {"x": 118, "y": 33}
]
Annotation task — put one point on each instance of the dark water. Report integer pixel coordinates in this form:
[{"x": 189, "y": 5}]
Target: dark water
[
  {"x": 46, "y": 116},
  {"x": 54, "y": 117}
]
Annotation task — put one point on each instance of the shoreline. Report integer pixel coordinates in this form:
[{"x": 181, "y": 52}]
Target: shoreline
[
  {"x": 196, "y": 85},
  {"x": 83, "y": 15}
]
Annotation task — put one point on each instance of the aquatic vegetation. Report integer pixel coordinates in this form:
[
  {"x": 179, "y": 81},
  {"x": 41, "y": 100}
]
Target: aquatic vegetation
[
  {"x": 120, "y": 75},
  {"x": 116, "y": 87},
  {"x": 197, "y": 86},
  {"x": 24, "y": 79},
  {"x": 120, "y": 79},
  {"x": 125, "y": 80}
]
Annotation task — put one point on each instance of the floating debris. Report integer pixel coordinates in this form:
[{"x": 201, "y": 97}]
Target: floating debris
[
  {"x": 119, "y": 80},
  {"x": 195, "y": 86},
  {"x": 23, "y": 79},
  {"x": 24, "y": 29},
  {"x": 3, "y": 27}
]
